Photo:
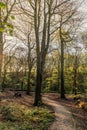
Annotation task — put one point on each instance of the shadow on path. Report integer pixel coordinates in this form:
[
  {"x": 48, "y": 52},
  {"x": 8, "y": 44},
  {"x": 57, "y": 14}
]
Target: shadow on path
[{"x": 64, "y": 119}]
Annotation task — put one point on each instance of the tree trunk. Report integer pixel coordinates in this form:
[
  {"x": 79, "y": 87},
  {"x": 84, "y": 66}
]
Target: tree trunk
[
  {"x": 75, "y": 84},
  {"x": 1, "y": 52},
  {"x": 22, "y": 85},
  {"x": 3, "y": 80},
  {"x": 28, "y": 83},
  {"x": 29, "y": 66},
  {"x": 75, "y": 77},
  {"x": 42, "y": 48},
  {"x": 62, "y": 64},
  {"x": 38, "y": 98},
  {"x": 58, "y": 76},
  {"x": 62, "y": 71},
  {"x": 1, "y": 46}
]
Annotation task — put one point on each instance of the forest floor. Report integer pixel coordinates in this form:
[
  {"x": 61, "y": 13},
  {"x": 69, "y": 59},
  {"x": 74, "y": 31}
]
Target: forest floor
[
  {"x": 18, "y": 113},
  {"x": 68, "y": 116}
]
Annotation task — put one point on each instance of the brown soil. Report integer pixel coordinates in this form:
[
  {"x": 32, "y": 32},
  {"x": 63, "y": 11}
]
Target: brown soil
[{"x": 23, "y": 100}]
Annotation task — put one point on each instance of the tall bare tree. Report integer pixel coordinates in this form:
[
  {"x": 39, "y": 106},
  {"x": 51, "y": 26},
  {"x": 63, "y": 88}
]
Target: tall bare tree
[{"x": 46, "y": 19}]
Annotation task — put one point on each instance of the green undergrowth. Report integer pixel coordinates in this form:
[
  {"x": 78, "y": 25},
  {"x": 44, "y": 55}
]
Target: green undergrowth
[{"x": 20, "y": 117}]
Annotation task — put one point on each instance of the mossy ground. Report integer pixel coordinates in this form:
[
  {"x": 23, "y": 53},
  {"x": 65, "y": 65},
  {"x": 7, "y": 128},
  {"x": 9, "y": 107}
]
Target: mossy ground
[{"x": 20, "y": 114}]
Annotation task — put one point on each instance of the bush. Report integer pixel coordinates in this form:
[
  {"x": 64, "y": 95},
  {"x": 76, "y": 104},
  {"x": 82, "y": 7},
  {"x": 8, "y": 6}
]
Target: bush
[
  {"x": 19, "y": 117},
  {"x": 6, "y": 112}
]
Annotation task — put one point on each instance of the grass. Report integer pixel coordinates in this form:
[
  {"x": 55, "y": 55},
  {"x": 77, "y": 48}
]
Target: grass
[{"x": 19, "y": 117}]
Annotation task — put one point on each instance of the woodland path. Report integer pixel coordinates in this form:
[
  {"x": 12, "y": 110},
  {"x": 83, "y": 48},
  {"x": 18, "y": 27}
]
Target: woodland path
[{"x": 64, "y": 119}]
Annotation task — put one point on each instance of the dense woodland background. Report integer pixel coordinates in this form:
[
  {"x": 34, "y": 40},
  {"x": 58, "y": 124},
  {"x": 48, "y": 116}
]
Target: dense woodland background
[{"x": 43, "y": 46}]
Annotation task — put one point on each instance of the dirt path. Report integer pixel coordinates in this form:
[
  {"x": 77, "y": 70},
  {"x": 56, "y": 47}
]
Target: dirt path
[{"x": 64, "y": 119}]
